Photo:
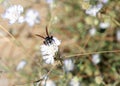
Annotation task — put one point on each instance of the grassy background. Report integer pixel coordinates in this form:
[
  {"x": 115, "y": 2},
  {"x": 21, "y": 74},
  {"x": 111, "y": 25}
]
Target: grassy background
[{"x": 68, "y": 22}]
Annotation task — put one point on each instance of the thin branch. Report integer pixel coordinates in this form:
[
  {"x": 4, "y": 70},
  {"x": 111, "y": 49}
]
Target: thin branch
[
  {"x": 99, "y": 52},
  {"x": 38, "y": 79},
  {"x": 7, "y": 32},
  {"x": 29, "y": 82},
  {"x": 88, "y": 39},
  {"x": 115, "y": 21},
  {"x": 18, "y": 43}
]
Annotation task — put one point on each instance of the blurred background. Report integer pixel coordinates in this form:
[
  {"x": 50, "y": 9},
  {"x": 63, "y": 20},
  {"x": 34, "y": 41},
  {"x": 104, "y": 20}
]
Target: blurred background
[{"x": 83, "y": 26}]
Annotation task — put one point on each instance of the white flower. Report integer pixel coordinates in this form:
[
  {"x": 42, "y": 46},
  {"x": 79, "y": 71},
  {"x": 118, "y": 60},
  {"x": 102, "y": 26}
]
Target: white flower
[
  {"x": 96, "y": 58},
  {"x": 48, "y": 83},
  {"x": 49, "y": 1},
  {"x": 104, "y": 25},
  {"x": 68, "y": 65},
  {"x": 92, "y": 31},
  {"x": 105, "y": 1},
  {"x": 74, "y": 82},
  {"x": 93, "y": 10},
  {"x": 13, "y": 13},
  {"x": 118, "y": 35},
  {"x": 21, "y": 19},
  {"x": 21, "y": 65},
  {"x": 32, "y": 17},
  {"x": 48, "y": 51},
  {"x": 56, "y": 41}
]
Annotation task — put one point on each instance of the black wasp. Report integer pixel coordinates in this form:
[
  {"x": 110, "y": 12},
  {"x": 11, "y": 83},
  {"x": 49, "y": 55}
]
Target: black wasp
[{"x": 48, "y": 39}]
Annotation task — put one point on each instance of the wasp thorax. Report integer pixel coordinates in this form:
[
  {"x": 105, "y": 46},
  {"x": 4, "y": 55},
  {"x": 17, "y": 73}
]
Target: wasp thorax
[{"x": 48, "y": 40}]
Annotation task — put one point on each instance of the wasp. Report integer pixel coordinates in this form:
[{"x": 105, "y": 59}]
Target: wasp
[{"x": 48, "y": 39}]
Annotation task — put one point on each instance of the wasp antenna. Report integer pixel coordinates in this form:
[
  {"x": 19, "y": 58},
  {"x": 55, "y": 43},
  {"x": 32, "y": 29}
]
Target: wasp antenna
[
  {"x": 40, "y": 36},
  {"x": 47, "y": 31}
]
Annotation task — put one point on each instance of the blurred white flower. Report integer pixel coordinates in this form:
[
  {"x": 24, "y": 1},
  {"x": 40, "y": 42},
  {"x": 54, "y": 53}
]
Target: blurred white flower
[
  {"x": 21, "y": 65},
  {"x": 21, "y": 19},
  {"x": 48, "y": 51},
  {"x": 104, "y": 25},
  {"x": 95, "y": 58},
  {"x": 32, "y": 17},
  {"x": 105, "y": 1},
  {"x": 93, "y": 10},
  {"x": 68, "y": 65},
  {"x": 92, "y": 31},
  {"x": 48, "y": 83},
  {"x": 13, "y": 13},
  {"x": 49, "y": 1},
  {"x": 74, "y": 82},
  {"x": 118, "y": 35}
]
